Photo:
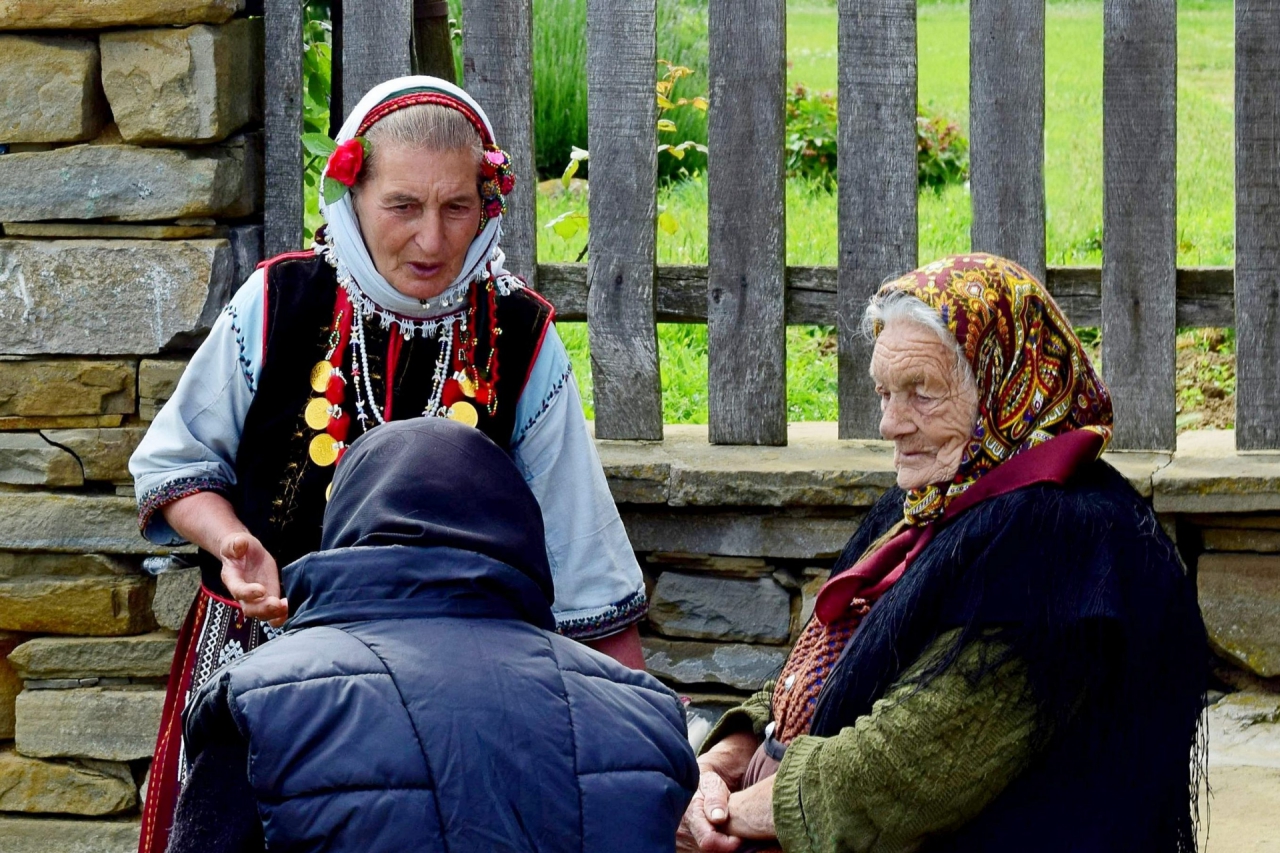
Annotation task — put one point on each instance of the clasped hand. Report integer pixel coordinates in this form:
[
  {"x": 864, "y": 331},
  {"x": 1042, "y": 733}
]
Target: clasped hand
[{"x": 720, "y": 817}]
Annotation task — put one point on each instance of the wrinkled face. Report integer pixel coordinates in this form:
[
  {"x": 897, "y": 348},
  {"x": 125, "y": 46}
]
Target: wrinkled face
[
  {"x": 419, "y": 212},
  {"x": 929, "y": 411}
]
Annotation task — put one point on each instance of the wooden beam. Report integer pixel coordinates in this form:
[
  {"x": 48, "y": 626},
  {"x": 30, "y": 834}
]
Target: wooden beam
[
  {"x": 1205, "y": 294},
  {"x": 497, "y": 67},
  {"x": 377, "y": 45},
  {"x": 878, "y": 183},
  {"x": 746, "y": 223},
  {"x": 282, "y": 77},
  {"x": 1140, "y": 252},
  {"x": 1257, "y": 225},
  {"x": 622, "y": 137},
  {"x": 1006, "y": 134}
]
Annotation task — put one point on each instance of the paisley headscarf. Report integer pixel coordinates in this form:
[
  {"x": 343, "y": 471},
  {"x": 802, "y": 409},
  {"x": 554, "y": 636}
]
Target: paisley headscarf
[
  {"x": 1034, "y": 378},
  {"x": 344, "y": 239}
]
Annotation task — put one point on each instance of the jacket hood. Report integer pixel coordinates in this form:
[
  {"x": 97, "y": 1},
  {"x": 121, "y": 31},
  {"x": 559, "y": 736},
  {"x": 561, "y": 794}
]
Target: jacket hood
[{"x": 444, "y": 508}]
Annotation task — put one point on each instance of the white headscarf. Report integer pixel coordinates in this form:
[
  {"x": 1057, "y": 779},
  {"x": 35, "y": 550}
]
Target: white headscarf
[{"x": 343, "y": 232}]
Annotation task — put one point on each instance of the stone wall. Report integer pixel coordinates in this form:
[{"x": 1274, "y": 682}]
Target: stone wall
[
  {"x": 130, "y": 209},
  {"x": 129, "y": 199}
]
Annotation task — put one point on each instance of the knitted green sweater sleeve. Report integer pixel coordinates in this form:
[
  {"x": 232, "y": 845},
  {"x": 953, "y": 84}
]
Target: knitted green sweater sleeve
[{"x": 923, "y": 762}]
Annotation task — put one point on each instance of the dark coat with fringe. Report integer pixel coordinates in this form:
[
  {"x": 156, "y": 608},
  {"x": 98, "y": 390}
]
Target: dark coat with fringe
[{"x": 1085, "y": 587}]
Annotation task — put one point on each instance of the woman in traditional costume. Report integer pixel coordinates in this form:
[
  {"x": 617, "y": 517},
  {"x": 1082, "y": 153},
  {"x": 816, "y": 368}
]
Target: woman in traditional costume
[
  {"x": 402, "y": 309},
  {"x": 1008, "y": 655}
]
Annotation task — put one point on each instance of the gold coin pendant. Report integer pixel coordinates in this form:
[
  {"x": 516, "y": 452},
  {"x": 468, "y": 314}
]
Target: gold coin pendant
[
  {"x": 317, "y": 413},
  {"x": 468, "y": 387},
  {"x": 324, "y": 450},
  {"x": 320, "y": 376},
  {"x": 465, "y": 413}
]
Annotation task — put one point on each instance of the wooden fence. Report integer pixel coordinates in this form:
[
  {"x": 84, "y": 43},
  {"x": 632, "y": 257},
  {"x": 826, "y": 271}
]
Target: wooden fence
[{"x": 747, "y": 294}]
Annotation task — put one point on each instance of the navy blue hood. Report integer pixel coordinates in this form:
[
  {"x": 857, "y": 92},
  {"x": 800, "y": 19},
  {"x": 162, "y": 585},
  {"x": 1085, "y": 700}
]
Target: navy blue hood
[{"x": 426, "y": 517}]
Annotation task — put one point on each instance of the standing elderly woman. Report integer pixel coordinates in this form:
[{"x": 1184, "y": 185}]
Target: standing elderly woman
[
  {"x": 1008, "y": 655},
  {"x": 402, "y": 310}
]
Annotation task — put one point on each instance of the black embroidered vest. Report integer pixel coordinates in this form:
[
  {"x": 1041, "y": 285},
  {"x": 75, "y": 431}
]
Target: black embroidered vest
[{"x": 280, "y": 492}]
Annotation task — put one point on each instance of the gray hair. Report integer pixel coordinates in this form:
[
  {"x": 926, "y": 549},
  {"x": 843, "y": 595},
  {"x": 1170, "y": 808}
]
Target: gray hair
[
  {"x": 898, "y": 305},
  {"x": 424, "y": 127}
]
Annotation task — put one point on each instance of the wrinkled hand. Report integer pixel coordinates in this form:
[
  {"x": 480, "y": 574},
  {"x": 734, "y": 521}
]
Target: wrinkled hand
[
  {"x": 252, "y": 578},
  {"x": 751, "y": 811},
  {"x": 703, "y": 828}
]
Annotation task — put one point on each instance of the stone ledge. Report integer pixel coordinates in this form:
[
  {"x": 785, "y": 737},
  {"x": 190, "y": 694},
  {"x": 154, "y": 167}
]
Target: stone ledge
[
  {"x": 1205, "y": 476},
  {"x": 143, "y": 656},
  {"x": 92, "y": 788}
]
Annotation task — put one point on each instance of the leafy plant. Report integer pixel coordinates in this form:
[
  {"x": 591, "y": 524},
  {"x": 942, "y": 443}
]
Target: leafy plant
[
  {"x": 317, "y": 64},
  {"x": 942, "y": 152}
]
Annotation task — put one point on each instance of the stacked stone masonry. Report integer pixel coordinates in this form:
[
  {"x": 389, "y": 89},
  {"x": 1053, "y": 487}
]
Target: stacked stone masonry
[
  {"x": 130, "y": 199},
  {"x": 130, "y": 209}
]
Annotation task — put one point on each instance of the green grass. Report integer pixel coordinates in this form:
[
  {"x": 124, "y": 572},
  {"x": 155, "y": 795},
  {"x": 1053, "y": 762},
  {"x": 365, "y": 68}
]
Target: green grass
[{"x": 1073, "y": 177}]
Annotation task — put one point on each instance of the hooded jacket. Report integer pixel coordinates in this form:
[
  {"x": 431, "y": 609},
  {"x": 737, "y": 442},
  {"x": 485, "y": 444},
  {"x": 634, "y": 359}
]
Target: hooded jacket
[{"x": 419, "y": 699}]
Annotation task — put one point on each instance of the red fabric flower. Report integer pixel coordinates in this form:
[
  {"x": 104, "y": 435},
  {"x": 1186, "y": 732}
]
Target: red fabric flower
[{"x": 345, "y": 162}]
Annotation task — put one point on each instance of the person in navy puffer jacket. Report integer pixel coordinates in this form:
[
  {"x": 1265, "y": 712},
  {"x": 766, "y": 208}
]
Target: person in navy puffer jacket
[{"x": 420, "y": 699}]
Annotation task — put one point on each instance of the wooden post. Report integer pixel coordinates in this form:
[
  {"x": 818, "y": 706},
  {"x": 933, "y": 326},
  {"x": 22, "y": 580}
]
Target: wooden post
[
  {"x": 878, "y": 183},
  {"x": 1139, "y": 263},
  {"x": 282, "y": 209},
  {"x": 1257, "y": 225},
  {"x": 432, "y": 47},
  {"x": 497, "y": 45},
  {"x": 746, "y": 304},
  {"x": 621, "y": 135},
  {"x": 1006, "y": 107},
  {"x": 376, "y": 39},
  {"x": 336, "y": 114}
]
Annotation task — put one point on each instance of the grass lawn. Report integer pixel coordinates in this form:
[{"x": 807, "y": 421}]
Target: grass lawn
[{"x": 1073, "y": 177}]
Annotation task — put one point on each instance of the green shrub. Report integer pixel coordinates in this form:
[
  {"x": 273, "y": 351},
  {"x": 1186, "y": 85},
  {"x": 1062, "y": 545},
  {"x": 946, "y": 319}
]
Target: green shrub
[{"x": 942, "y": 152}]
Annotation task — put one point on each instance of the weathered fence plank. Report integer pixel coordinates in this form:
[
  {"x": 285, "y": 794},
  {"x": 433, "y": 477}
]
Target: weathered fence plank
[
  {"x": 497, "y": 67},
  {"x": 1006, "y": 135},
  {"x": 1257, "y": 225},
  {"x": 878, "y": 183},
  {"x": 746, "y": 223},
  {"x": 377, "y": 45},
  {"x": 1139, "y": 264},
  {"x": 283, "y": 126},
  {"x": 621, "y": 112},
  {"x": 1205, "y": 294}
]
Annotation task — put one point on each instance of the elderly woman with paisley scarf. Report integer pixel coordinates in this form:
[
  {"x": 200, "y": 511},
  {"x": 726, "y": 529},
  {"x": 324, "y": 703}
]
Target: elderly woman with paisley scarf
[
  {"x": 402, "y": 309},
  {"x": 1008, "y": 655}
]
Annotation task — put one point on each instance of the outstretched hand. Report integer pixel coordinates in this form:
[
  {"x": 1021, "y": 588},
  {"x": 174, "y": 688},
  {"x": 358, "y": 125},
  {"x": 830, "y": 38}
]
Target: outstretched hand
[{"x": 252, "y": 577}]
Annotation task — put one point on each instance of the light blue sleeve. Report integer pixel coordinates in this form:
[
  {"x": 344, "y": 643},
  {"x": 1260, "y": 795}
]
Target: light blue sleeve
[
  {"x": 192, "y": 443},
  {"x": 598, "y": 584}
]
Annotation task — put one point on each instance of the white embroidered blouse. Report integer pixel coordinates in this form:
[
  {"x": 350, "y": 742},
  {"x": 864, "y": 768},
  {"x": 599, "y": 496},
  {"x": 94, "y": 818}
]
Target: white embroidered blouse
[{"x": 195, "y": 436}]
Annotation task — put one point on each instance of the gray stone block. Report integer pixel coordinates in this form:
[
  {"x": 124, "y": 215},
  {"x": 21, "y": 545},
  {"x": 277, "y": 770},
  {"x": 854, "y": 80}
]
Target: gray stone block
[
  {"x": 130, "y": 183},
  {"x": 1240, "y": 601},
  {"x": 175, "y": 590},
  {"x": 49, "y": 835},
  {"x": 741, "y": 667},
  {"x": 71, "y": 523},
  {"x": 740, "y": 533},
  {"x": 107, "y": 607},
  {"x": 91, "y": 788},
  {"x": 66, "y": 105},
  {"x": 55, "y": 388},
  {"x": 1207, "y": 475},
  {"x": 98, "y": 297},
  {"x": 189, "y": 85},
  {"x": 144, "y": 656},
  {"x": 749, "y": 611},
  {"x": 112, "y": 724},
  {"x": 102, "y": 453},
  {"x": 26, "y": 459}
]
